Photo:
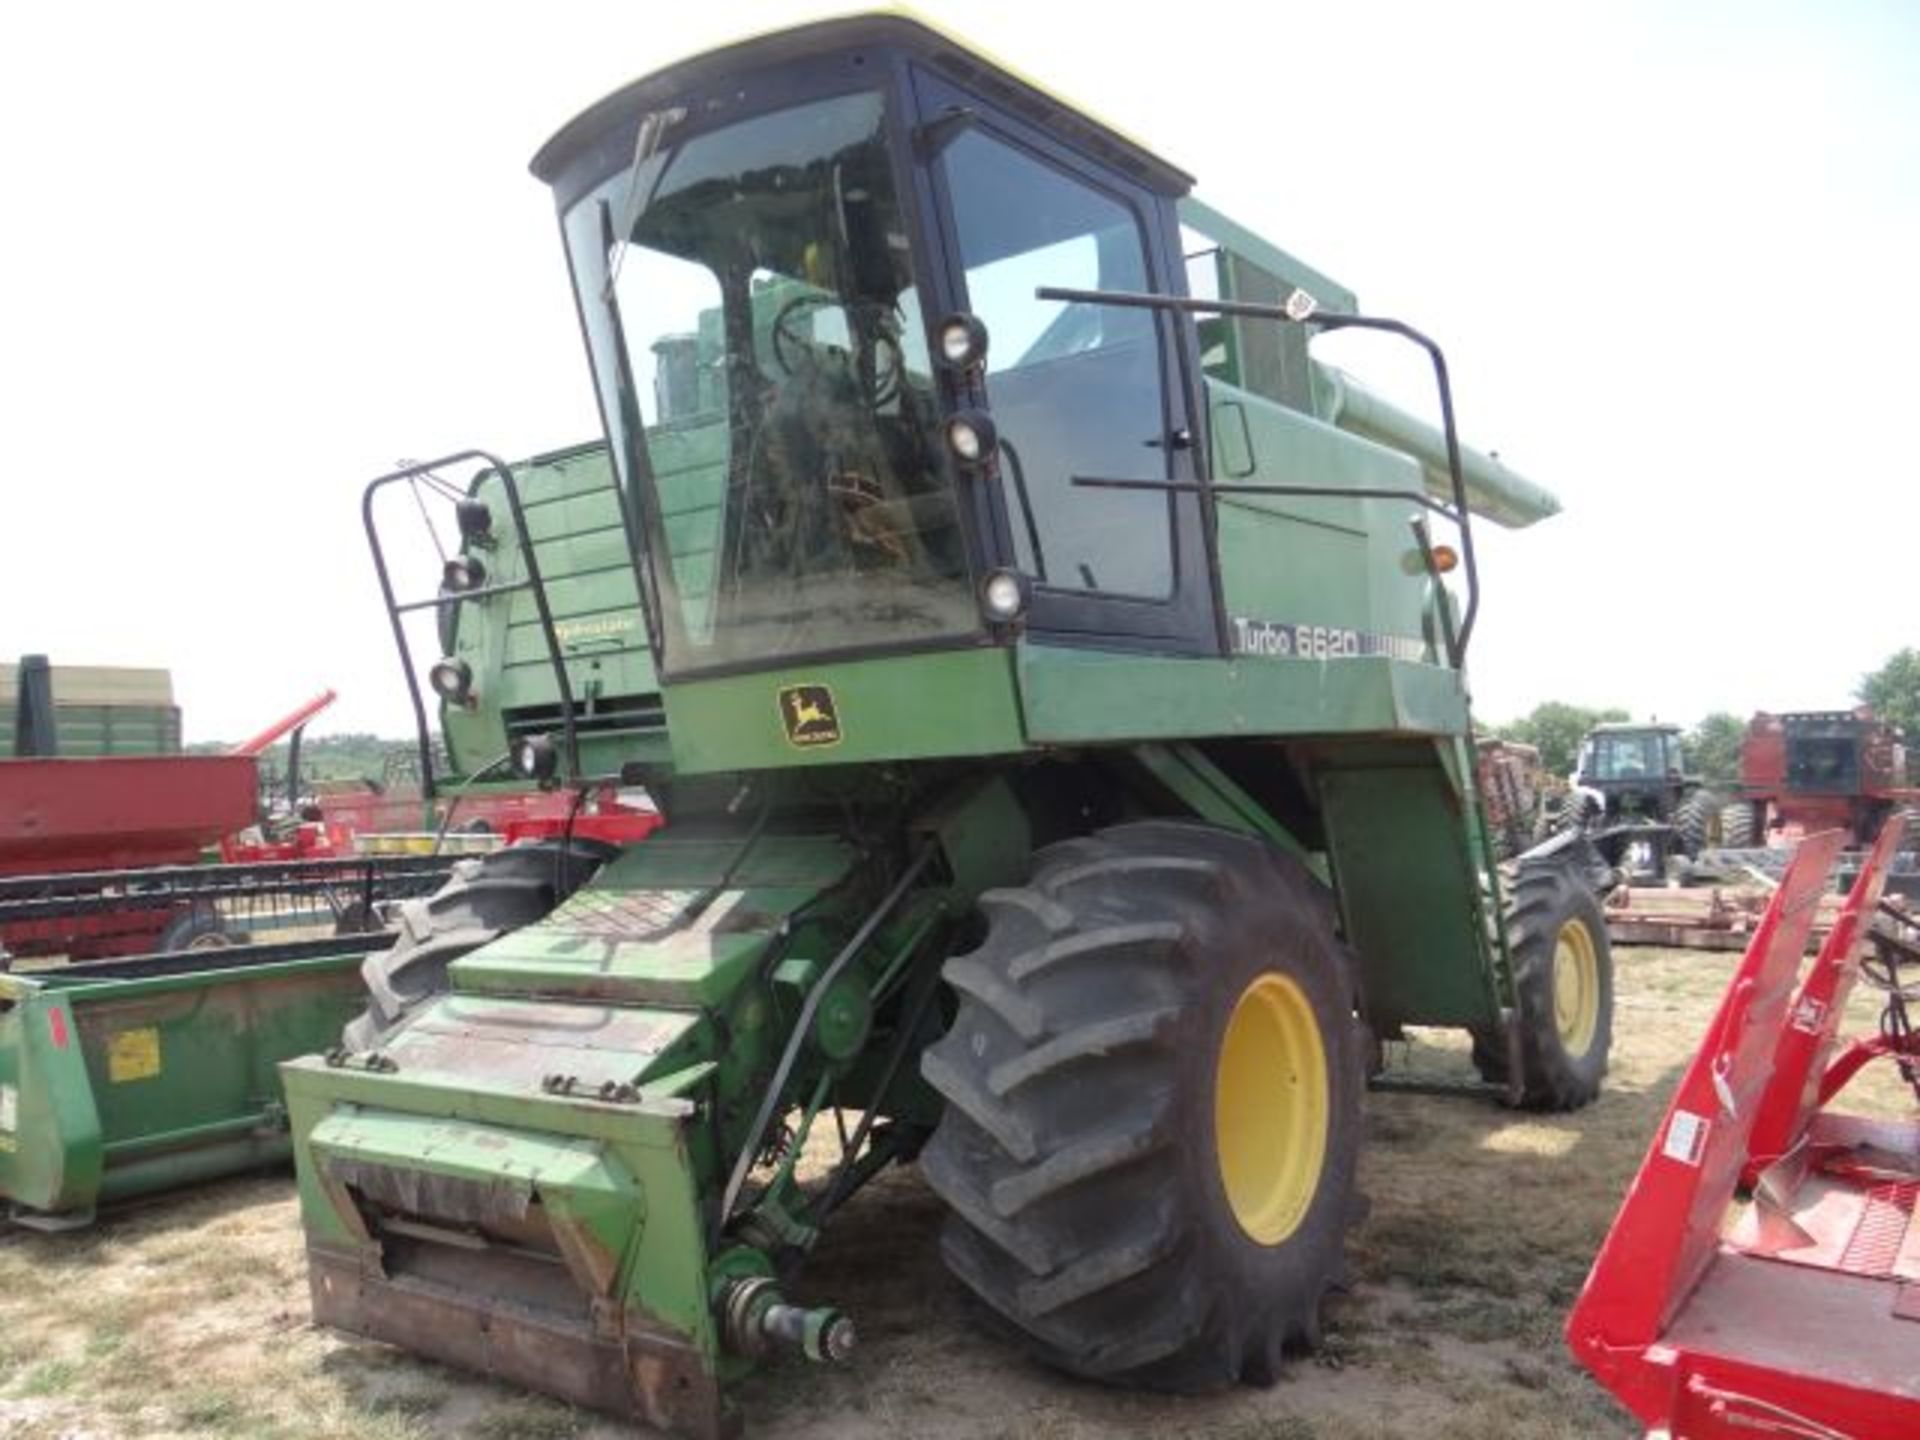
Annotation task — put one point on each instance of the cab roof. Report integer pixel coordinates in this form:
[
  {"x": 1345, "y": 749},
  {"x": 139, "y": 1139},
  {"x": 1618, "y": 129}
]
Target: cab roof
[{"x": 897, "y": 30}]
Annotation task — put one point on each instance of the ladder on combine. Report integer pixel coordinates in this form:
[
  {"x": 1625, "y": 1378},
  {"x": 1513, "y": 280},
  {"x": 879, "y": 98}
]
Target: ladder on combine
[{"x": 1796, "y": 1311}]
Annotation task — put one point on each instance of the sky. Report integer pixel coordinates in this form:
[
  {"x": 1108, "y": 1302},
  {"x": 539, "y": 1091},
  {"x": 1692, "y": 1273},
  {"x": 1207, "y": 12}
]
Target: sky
[{"x": 251, "y": 255}]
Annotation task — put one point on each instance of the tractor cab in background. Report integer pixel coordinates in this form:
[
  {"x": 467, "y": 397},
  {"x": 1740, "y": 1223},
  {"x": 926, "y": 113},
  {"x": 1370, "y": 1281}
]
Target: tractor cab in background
[{"x": 1637, "y": 803}]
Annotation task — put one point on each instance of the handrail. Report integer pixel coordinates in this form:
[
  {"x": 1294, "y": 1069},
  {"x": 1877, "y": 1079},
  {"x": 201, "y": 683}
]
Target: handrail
[
  {"x": 530, "y": 564},
  {"x": 1299, "y": 310}
]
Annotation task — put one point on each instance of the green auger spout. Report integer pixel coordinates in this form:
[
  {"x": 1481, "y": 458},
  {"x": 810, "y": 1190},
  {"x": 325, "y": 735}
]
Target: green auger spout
[{"x": 1502, "y": 495}]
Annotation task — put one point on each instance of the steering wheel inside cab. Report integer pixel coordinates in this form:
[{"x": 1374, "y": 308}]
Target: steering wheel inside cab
[{"x": 875, "y": 360}]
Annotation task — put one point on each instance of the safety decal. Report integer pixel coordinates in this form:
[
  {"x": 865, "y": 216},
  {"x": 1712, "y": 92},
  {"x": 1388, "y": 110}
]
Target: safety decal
[
  {"x": 1686, "y": 1137},
  {"x": 133, "y": 1055}
]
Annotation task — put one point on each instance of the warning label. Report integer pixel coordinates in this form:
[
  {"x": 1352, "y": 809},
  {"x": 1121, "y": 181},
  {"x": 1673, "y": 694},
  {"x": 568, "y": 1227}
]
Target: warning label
[
  {"x": 1686, "y": 1137},
  {"x": 133, "y": 1055}
]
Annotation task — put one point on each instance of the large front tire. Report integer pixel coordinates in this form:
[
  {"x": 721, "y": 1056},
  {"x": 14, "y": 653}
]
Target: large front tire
[
  {"x": 484, "y": 898},
  {"x": 1153, "y": 1108}
]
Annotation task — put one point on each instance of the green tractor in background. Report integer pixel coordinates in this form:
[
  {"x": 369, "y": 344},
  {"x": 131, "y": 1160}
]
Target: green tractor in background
[
  {"x": 1053, "y": 690},
  {"x": 1631, "y": 795}
]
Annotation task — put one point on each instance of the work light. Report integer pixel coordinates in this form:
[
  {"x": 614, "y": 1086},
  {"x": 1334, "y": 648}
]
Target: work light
[
  {"x": 474, "y": 518},
  {"x": 1004, "y": 595},
  {"x": 463, "y": 573},
  {"x": 971, "y": 437},
  {"x": 535, "y": 758},
  {"x": 452, "y": 680},
  {"x": 963, "y": 341}
]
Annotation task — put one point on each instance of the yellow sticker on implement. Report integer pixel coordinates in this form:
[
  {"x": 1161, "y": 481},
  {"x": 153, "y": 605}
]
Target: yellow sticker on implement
[{"x": 133, "y": 1055}]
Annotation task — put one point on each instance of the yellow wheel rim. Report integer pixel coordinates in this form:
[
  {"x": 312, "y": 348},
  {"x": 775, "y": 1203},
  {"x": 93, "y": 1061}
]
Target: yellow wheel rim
[
  {"x": 1270, "y": 1108},
  {"x": 1576, "y": 987}
]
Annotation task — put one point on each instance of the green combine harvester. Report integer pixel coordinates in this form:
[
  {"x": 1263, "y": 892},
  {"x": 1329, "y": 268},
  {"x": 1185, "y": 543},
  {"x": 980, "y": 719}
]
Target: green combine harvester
[{"x": 1055, "y": 695}]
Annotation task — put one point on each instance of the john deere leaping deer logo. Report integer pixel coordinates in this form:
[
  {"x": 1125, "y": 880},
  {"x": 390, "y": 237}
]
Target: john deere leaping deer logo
[{"x": 809, "y": 717}]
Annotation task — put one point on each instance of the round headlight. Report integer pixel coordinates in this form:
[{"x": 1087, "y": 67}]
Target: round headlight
[
  {"x": 535, "y": 758},
  {"x": 971, "y": 437},
  {"x": 1003, "y": 596},
  {"x": 452, "y": 680},
  {"x": 963, "y": 340},
  {"x": 463, "y": 573}
]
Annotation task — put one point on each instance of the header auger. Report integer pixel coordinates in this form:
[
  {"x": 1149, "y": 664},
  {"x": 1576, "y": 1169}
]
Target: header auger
[{"x": 1053, "y": 688}]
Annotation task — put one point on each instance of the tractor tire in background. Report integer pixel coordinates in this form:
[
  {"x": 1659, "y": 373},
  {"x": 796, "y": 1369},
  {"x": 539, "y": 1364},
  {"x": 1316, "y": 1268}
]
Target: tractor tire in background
[
  {"x": 1563, "y": 971},
  {"x": 1696, "y": 823},
  {"x": 1741, "y": 827},
  {"x": 1570, "y": 811},
  {"x": 485, "y": 898},
  {"x": 1152, "y": 1095},
  {"x": 197, "y": 926}
]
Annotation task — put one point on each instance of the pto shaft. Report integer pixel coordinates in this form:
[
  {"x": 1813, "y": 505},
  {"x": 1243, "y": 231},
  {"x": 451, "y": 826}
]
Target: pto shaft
[{"x": 759, "y": 1320}]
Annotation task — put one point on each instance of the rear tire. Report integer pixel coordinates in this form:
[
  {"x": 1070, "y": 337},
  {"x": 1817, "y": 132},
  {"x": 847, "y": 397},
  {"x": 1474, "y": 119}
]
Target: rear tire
[
  {"x": 1740, "y": 826},
  {"x": 1153, "y": 1108},
  {"x": 1570, "y": 811},
  {"x": 1696, "y": 823},
  {"x": 485, "y": 898},
  {"x": 1563, "y": 971}
]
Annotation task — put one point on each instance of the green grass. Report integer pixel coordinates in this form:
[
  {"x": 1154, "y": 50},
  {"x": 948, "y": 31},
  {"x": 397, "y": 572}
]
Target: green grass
[{"x": 51, "y": 1377}]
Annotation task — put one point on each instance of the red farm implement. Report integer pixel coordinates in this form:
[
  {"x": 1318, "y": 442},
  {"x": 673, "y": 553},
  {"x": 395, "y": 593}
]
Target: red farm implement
[
  {"x": 100, "y": 856},
  {"x": 116, "y": 812},
  {"x": 1794, "y": 1311},
  {"x": 1817, "y": 770}
]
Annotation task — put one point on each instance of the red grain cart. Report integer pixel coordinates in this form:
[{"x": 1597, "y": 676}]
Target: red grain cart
[
  {"x": 94, "y": 814},
  {"x": 118, "y": 812},
  {"x": 115, "y": 813}
]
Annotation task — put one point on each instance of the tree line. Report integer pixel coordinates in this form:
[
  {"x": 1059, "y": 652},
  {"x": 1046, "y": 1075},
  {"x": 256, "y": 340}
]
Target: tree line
[
  {"x": 346, "y": 756},
  {"x": 1554, "y": 727}
]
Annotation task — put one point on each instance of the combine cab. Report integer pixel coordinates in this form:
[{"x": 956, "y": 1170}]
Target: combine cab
[
  {"x": 1053, "y": 680},
  {"x": 1817, "y": 770}
]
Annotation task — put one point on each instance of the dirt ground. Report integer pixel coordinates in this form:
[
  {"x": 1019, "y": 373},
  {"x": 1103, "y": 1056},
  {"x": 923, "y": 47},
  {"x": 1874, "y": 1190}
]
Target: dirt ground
[{"x": 188, "y": 1316}]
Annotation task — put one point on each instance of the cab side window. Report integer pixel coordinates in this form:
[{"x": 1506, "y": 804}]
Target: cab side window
[
  {"x": 1076, "y": 390},
  {"x": 1263, "y": 356}
]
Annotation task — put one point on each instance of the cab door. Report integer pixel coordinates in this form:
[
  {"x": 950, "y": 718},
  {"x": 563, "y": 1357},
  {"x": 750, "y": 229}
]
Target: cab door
[{"x": 1077, "y": 391}]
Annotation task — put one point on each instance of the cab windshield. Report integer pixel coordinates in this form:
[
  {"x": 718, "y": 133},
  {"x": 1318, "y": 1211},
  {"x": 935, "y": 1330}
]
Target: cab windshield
[
  {"x": 1631, "y": 757},
  {"x": 757, "y": 331}
]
